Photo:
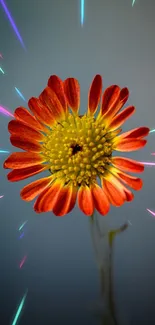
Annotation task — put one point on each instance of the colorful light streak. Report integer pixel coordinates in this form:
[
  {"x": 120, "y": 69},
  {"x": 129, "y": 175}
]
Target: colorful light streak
[
  {"x": 147, "y": 163},
  {"x": 19, "y": 310},
  {"x": 21, "y": 236},
  {"x": 20, "y": 94},
  {"x": 133, "y": 2},
  {"x": 153, "y": 153},
  {"x": 2, "y": 70},
  {"x": 8, "y": 14},
  {"x": 5, "y": 111},
  {"x": 1, "y": 56},
  {"x": 152, "y": 212},
  {"x": 82, "y": 11},
  {"x": 22, "y": 261},
  {"x": 1, "y": 196},
  {"x": 153, "y": 130},
  {"x": 23, "y": 224},
  {"x": 4, "y": 151}
]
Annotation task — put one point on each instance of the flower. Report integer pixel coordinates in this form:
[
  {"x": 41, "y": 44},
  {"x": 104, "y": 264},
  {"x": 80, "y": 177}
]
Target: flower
[{"x": 76, "y": 149}]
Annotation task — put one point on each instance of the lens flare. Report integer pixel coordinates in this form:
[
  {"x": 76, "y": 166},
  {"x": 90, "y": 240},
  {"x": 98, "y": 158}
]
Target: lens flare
[
  {"x": 4, "y": 111},
  {"x": 19, "y": 310}
]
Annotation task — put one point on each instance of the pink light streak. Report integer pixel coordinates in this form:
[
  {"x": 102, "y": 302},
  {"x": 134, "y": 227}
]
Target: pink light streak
[
  {"x": 1, "y": 196},
  {"x": 5, "y": 112},
  {"x": 147, "y": 163},
  {"x": 152, "y": 212},
  {"x": 1, "y": 56},
  {"x": 22, "y": 261}
]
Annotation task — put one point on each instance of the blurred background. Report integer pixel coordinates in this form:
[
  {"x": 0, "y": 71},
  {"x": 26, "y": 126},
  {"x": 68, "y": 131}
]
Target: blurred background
[{"x": 117, "y": 41}]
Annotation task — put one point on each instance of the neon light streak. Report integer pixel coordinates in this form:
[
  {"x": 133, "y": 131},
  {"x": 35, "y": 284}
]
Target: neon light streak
[
  {"x": 147, "y": 163},
  {"x": 19, "y": 310},
  {"x": 20, "y": 94},
  {"x": 23, "y": 224},
  {"x": 5, "y": 111},
  {"x": 12, "y": 23},
  {"x": 82, "y": 11},
  {"x": 22, "y": 261},
  {"x": 2, "y": 70},
  {"x": 152, "y": 212}
]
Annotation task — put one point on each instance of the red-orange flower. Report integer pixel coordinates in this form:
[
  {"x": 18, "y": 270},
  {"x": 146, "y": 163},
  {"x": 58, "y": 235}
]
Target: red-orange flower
[{"x": 77, "y": 150}]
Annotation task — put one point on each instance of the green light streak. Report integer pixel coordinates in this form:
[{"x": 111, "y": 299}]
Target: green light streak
[{"x": 19, "y": 309}]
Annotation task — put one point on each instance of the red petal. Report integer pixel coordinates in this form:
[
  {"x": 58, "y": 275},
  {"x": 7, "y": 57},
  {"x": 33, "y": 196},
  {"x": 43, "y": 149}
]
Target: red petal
[
  {"x": 72, "y": 92},
  {"x": 100, "y": 200},
  {"x": 134, "y": 182},
  {"x": 110, "y": 97},
  {"x": 21, "y": 130},
  {"x": 113, "y": 191},
  {"x": 122, "y": 99},
  {"x": 46, "y": 200},
  {"x": 30, "y": 191},
  {"x": 25, "y": 144},
  {"x": 94, "y": 94},
  {"x": 65, "y": 201},
  {"x": 85, "y": 200},
  {"x": 127, "y": 164},
  {"x": 20, "y": 174},
  {"x": 129, "y": 144},
  {"x": 23, "y": 115},
  {"x": 119, "y": 119},
  {"x": 137, "y": 133},
  {"x": 41, "y": 111},
  {"x": 49, "y": 98},
  {"x": 19, "y": 160},
  {"x": 56, "y": 84}
]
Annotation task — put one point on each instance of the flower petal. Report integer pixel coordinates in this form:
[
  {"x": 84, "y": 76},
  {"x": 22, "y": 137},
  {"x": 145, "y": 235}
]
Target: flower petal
[
  {"x": 19, "y": 160},
  {"x": 94, "y": 94},
  {"x": 65, "y": 201},
  {"x": 49, "y": 98},
  {"x": 134, "y": 182},
  {"x": 20, "y": 174},
  {"x": 127, "y": 164},
  {"x": 128, "y": 144},
  {"x": 109, "y": 98},
  {"x": 41, "y": 112},
  {"x": 22, "y": 130},
  {"x": 25, "y": 144},
  {"x": 30, "y": 191},
  {"x": 46, "y": 200},
  {"x": 122, "y": 99},
  {"x": 85, "y": 200},
  {"x": 137, "y": 133},
  {"x": 23, "y": 115},
  {"x": 119, "y": 119},
  {"x": 100, "y": 200},
  {"x": 72, "y": 92},
  {"x": 113, "y": 191},
  {"x": 56, "y": 84}
]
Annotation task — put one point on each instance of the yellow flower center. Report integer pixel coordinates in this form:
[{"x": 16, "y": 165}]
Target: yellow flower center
[{"x": 78, "y": 149}]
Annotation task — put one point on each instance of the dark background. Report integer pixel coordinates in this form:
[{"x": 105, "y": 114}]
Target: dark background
[{"x": 60, "y": 273}]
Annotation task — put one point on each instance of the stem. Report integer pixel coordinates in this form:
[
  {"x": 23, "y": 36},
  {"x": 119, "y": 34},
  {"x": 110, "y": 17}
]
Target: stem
[{"x": 104, "y": 256}]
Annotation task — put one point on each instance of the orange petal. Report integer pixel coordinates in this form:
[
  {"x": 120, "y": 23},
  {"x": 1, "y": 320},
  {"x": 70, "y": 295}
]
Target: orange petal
[
  {"x": 127, "y": 164},
  {"x": 113, "y": 191},
  {"x": 20, "y": 174},
  {"x": 41, "y": 111},
  {"x": 30, "y": 191},
  {"x": 85, "y": 200},
  {"x": 109, "y": 98},
  {"x": 129, "y": 144},
  {"x": 134, "y": 182},
  {"x": 25, "y": 144},
  {"x": 19, "y": 160},
  {"x": 94, "y": 94},
  {"x": 119, "y": 119},
  {"x": 56, "y": 84},
  {"x": 100, "y": 200},
  {"x": 65, "y": 200},
  {"x": 22, "y": 130},
  {"x": 137, "y": 133},
  {"x": 72, "y": 92},
  {"x": 23, "y": 115},
  {"x": 46, "y": 200},
  {"x": 49, "y": 98},
  {"x": 122, "y": 99}
]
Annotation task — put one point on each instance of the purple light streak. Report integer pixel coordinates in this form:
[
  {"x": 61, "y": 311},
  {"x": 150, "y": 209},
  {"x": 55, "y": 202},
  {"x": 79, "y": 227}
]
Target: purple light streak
[
  {"x": 147, "y": 163},
  {"x": 1, "y": 56},
  {"x": 22, "y": 235},
  {"x": 152, "y": 212},
  {"x": 12, "y": 23},
  {"x": 22, "y": 261},
  {"x": 5, "y": 111}
]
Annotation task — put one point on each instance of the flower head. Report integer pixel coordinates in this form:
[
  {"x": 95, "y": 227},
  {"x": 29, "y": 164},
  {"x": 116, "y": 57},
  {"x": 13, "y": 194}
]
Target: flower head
[{"x": 77, "y": 150}]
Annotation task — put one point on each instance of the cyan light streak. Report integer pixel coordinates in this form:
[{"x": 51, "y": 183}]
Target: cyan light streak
[
  {"x": 82, "y": 11},
  {"x": 152, "y": 131},
  {"x": 23, "y": 224},
  {"x": 1, "y": 70},
  {"x": 12, "y": 23},
  {"x": 20, "y": 94},
  {"x": 19, "y": 310},
  {"x": 4, "y": 151},
  {"x": 133, "y": 2}
]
